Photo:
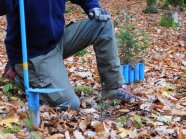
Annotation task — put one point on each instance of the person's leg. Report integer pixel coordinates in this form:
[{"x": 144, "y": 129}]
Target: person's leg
[
  {"x": 48, "y": 71},
  {"x": 83, "y": 33}
]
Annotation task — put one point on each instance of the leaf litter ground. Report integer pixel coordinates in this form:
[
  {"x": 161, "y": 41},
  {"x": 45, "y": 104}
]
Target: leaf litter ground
[{"x": 161, "y": 113}]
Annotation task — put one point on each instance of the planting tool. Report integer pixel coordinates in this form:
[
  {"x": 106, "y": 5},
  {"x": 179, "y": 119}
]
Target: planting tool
[{"x": 33, "y": 94}]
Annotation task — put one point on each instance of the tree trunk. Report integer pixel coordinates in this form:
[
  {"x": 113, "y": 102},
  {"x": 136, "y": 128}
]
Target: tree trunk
[
  {"x": 175, "y": 17},
  {"x": 151, "y": 6}
]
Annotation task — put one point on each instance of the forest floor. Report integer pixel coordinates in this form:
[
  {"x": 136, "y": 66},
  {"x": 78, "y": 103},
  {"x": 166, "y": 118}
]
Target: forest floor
[{"x": 161, "y": 113}]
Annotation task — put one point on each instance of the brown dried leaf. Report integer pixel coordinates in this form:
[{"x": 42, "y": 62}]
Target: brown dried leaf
[
  {"x": 78, "y": 135},
  {"x": 67, "y": 135},
  {"x": 180, "y": 134},
  {"x": 83, "y": 124},
  {"x": 99, "y": 127},
  {"x": 181, "y": 113},
  {"x": 8, "y": 122},
  {"x": 56, "y": 136}
]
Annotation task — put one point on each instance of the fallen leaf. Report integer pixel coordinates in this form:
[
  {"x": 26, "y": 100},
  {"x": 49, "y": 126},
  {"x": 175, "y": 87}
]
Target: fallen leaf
[
  {"x": 131, "y": 134},
  {"x": 8, "y": 122},
  {"x": 183, "y": 62},
  {"x": 163, "y": 130},
  {"x": 2, "y": 107},
  {"x": 180, "y": 134},
  {"x": 90, "y": 134},
  {"x": 83, "y": 124},
  {"x": 165, "y": 119},
  {"x": 56, "y": 136},
  {"x": 6, "y": 104},
  {"x": 78, "y": 135},
  {"x": 2, "y": 110},
  {"x": 146, "y": 106},
  {"x": 9, "y": 136},
  {"x": 181, "y": 113},
  {"x": 67, "y": 135},
  {"x": 137, "y": 120},
  {"x": 124, "y": 110},
  {"x": 99, "y": 127},
  {"x": 88, "y": 111},
  {"x": 123, "y": 132}
]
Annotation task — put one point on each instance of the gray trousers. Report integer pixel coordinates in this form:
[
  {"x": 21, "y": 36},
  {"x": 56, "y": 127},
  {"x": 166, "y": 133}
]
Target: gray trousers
[{"x": 48, "y": 71}]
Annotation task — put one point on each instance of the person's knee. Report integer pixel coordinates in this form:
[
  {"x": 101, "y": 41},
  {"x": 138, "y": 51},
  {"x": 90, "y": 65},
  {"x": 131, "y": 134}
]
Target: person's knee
[
  {"x": 109, "y": 24},
  {"x": 108, "y": 30},
  {"x": 100, "y": 24}
]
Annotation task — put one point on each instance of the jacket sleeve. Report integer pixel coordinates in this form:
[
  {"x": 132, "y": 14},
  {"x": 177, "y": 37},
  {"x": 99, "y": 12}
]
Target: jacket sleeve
[
  {"x": 4, "y": 6},
  {"x": 87, "y": 5}
]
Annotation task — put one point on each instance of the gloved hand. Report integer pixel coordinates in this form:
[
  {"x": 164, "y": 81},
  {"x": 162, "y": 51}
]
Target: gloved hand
[
  {"x": 9, "y": 73},
  {"x": 99, "y": 14}
]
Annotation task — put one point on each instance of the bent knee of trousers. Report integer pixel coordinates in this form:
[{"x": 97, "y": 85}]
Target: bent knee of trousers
[
  {"x": 73, "y": 103},
  {"x": 107, "y": 30},
  {"x": 103, "y": 25},
  {"x": 109, "y": 24}
]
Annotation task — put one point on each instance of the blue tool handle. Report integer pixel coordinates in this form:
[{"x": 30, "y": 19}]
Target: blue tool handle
[
  {"x": 24, "y": 44},
  {"x": 33, "y": 106},
  {"x": 33, "y": 94},
  {"x": 33, "y": 98},
  {"x": 45, "y": 90}
]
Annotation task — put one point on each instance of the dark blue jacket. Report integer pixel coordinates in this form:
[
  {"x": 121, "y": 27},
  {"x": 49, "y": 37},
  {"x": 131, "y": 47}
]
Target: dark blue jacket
[{"x": 44, "y": 25}]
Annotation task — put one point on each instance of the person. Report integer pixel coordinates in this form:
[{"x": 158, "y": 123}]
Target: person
[{"x": 49, "y": 42}]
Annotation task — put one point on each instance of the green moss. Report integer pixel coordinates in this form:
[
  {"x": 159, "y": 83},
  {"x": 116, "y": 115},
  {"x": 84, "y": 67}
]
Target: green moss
[
  {"x": 121, "y": 119},
  {"x": 28, "y": 124},
  {"x": 11, "y": 90},
  {"x": 34, "y": 135},
  {"x": 81, "y": 53},
  {"x": 14, "y": 129},
  {"x": 68, "y": 11},
  {"x": 84, "y": 89},
  {"x": 167, "y": 21},
  {"x": 137, "y": 120}
]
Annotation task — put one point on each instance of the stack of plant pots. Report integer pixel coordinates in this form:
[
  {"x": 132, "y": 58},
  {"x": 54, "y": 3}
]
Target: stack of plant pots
[{"x": 133, "y": 73}]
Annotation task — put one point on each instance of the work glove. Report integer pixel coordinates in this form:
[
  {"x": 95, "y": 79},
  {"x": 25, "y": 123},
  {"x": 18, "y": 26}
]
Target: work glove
[
  {"x": 9, "y": 73},
  {"x": 99, "y": 14}
]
